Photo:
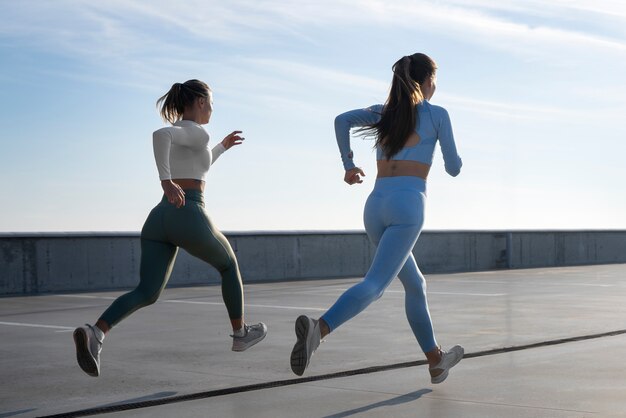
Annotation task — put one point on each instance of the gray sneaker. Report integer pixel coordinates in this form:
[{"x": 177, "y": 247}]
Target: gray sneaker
[
  {"x": 88, "y": 349},
  {"x": 448, "y": 360},
  {"x": 254, "y": 334},
  {"x": 308, "y": 334}
]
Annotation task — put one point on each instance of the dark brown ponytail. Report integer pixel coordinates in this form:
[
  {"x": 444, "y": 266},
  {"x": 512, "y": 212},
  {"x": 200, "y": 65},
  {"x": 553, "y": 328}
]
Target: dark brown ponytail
[
  {"x": 180, "y": 96},
  {"x": 399, "y": 116}
]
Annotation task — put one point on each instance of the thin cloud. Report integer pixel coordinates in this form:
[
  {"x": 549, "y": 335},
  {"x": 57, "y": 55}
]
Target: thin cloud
[
  {"x": 129, "y": 25},
  {"x": 480, "y": 27},
  {"x": 510, "y": 109},
  {"x": 116, "y": 32},
  {"x": 319, "y": 75},
  {"x": 471, "y": 24},
  {"x": 555, "y": 8},
  {"x": 300, "y": 73}
]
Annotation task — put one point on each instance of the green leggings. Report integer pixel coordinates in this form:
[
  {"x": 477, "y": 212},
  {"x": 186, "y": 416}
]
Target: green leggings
[{"x": 166, "y": 229}]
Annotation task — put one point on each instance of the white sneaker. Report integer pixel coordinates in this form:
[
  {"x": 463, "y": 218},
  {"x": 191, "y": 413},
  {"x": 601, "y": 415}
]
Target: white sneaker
[
  {"x": 253, "y": 334},
  {"x": 88, "y": 348},
  {"x": 309, "y": 335},
  {"x": 448, "y": 360}
]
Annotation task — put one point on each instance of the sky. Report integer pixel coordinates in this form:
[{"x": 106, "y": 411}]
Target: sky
[{"x": 535, "y": 90}]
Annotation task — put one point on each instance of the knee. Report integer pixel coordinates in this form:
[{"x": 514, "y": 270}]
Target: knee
[
  {"x": 229, "y": 270},
  {"x": 378, "y": 292},
  {"x": 416, "y": 293},
  {"x": 413, "y": 283},
  {"x": 228, "y": 267},
  {"x": 372, "y": 291},
  {"x": 420, "y": 285},
  {"x": 147, "y": 297},
  {"x": 152, "y": 299}
]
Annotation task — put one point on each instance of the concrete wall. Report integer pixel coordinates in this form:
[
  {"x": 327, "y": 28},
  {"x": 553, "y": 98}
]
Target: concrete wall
[{"x": 63, "y": 262}]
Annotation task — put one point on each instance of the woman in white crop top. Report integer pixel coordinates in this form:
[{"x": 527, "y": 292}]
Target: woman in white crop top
[{"x": 183, "y": 158}]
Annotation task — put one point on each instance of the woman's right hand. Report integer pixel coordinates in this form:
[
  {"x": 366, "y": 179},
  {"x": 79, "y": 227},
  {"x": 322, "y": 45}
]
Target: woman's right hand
[
  {"x": 173, "y": 192},
  {"x": 353, "y": 176}
]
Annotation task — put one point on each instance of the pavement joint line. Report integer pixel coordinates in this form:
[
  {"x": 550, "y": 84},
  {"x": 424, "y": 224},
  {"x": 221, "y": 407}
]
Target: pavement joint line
[
  {"x": 196, "y": 302},
  {"x": 315, "y": 378},
  {"x": 448, "y": 293},
  {"x": 251, "y": 305},
  {"x": 23, "y": 324},
  {"x": 463, "y": 294}
]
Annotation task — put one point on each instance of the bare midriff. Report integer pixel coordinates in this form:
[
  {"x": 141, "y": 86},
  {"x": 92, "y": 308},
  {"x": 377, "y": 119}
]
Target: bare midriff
[
  {"x": 395, "y": 168},
  {"x": 190, "y": 184}
]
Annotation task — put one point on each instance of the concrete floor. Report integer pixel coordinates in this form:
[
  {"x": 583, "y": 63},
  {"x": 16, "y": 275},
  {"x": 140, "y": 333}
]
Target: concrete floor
[{"x": 180, "y": 347}]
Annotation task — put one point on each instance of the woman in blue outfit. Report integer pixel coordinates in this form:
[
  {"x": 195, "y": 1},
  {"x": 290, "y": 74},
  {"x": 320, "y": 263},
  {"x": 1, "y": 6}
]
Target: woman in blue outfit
[{"x": 406, "y": 128}]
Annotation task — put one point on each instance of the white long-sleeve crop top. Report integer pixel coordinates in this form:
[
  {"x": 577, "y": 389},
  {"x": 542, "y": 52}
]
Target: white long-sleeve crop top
[{"x": 181, "y": 151}]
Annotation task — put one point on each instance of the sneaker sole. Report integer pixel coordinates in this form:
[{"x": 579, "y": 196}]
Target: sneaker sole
[
  {"x": 443, "y": 376},
  {"x": 440, "y": 378},
  {"x": 244, "y": 347},
  {"x": 83, "y": 356},
  {"x": 299, "y": 359}
]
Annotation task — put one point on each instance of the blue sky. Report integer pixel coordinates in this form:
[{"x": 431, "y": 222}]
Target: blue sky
[{"x": 535, "y": 91}]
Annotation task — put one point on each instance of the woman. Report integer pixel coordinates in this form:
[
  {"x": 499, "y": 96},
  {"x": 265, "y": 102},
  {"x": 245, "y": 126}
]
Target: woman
[
  {"x": 406, "y": 129},
  {"x": 179, "y": 220}
]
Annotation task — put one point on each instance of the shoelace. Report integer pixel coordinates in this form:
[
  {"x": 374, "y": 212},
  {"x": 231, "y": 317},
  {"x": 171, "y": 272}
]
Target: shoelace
[
  {"x": 95, "y": 334},
  {"x": 437, "y": 366},
  {"x": 246, "y": 328}
]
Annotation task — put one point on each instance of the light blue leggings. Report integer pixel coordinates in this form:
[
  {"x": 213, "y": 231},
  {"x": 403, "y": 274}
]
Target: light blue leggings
[{"x": 393, "y": 216}]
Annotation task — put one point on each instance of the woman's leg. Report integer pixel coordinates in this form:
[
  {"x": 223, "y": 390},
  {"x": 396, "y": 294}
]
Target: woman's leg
[
  {"x": 416, "y": 305},
  {"x": 418, "y": 315},
  {"x": 157, "y": 261},
  {"x": 394, "y": 242},
  {"x": 393, "y": 221},
  {"x": 197, "y": 235},
  {"x": 391, "y": 254}
]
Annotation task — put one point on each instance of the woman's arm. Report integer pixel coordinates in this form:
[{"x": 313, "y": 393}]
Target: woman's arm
[
  {"x": 230, "y": 141},
  {"x": 451, "y": 158},
  {"x": 352, "y": 119},
  {"x": 161, "y": 145}
]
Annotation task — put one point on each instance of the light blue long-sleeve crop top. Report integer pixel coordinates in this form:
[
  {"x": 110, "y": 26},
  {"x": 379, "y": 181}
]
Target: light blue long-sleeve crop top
[{"x": 433, "y": 124}]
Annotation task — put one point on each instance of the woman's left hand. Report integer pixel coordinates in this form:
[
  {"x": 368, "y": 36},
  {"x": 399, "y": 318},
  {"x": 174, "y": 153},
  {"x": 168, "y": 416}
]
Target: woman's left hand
[{"x": 232, "y": 139}]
